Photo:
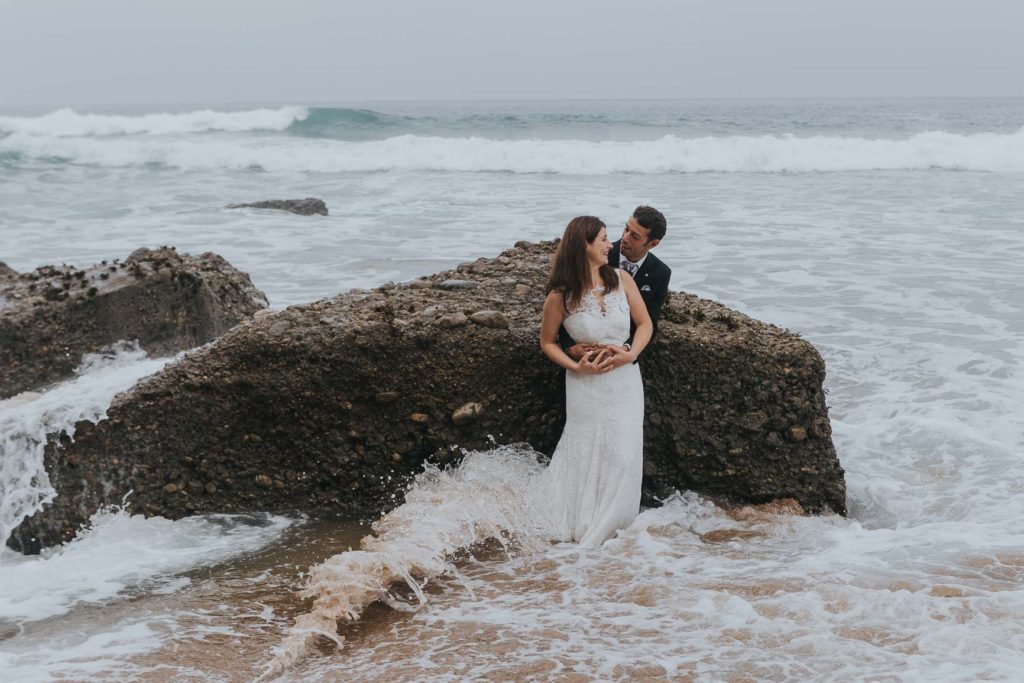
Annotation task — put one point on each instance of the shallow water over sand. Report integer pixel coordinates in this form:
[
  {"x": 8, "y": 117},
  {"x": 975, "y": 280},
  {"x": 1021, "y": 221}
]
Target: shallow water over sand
[
  {"x": 689, "y": 592},
  {"x": 215, "y": 622}
]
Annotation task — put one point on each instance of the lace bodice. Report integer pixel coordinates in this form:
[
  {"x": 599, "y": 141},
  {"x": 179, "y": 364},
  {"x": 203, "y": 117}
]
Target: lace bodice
[{"x": 590, "y": 323}]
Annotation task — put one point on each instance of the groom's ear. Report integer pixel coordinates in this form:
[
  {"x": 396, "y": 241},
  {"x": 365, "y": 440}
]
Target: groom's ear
[{"x": 653, "y": 243}]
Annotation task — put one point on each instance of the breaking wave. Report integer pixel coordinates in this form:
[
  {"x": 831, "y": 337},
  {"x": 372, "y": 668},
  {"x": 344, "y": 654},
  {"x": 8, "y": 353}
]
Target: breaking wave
[
  {"x": 992, "y": 152},
  {"x": 70, "y": 123},
  {"x": 335, "y": 122}
]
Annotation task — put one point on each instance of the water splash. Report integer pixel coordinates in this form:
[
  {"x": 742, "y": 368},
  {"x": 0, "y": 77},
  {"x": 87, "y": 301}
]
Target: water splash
[
  {"x": 487, "y": 497},
  {"x": 26, "y": 421}
]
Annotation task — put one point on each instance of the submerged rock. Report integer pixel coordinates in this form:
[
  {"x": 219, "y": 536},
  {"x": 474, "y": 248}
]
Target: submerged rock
[
  {"x": 304, "y": 207},
  {"x": 329, "y": 406},
  {"x": 167, "y": 301}
]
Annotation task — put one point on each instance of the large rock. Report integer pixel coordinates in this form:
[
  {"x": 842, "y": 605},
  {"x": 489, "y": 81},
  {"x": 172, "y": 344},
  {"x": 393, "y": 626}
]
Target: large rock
[
  {"x": 327, "y": 407},
  {"x": 304, "y": 207},
  {"x": 165, "y": 300}
]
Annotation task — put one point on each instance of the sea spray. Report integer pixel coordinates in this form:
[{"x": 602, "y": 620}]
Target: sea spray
[
  {"x": 488, "y": 496},
  {"x": 26, "y": 421}
]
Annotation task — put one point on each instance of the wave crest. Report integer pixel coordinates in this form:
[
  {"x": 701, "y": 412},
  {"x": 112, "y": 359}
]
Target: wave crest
[
  {"x": 993, "y": 152},
  {"x": 331, "y": 122},
  {"x": 70, "y": 123}
]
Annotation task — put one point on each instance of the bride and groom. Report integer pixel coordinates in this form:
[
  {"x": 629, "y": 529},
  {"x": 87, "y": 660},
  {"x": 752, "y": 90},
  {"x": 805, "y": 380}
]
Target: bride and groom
[
  {"x": 600, "y": 314},
  {"x": 607, "y": 298}
]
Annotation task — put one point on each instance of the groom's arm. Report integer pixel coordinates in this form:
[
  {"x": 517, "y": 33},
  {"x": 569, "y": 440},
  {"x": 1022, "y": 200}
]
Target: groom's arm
[
  {"x": 657, "y": 300},
  {"x": 564, "y": 340},
  {"x": 654, "y": 301}
]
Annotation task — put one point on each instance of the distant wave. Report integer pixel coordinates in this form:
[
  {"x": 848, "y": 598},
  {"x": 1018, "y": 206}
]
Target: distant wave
[
  {"x": 318, "y": 122},
  {"x": 327, "y": 122},
  {"x": 69, "y": 123},
  {"x": 731, "y": 154}
]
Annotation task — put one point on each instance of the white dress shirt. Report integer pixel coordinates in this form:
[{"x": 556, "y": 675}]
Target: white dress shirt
[{"x": 624, "y": 262}]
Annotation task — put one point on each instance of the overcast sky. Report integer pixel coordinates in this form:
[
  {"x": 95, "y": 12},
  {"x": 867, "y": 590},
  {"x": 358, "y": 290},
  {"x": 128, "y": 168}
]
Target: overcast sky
[{"x": 74, "y": 52}]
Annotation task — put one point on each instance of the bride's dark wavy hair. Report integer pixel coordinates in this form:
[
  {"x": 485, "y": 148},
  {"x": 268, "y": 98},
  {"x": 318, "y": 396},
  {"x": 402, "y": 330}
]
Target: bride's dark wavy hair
[{"x": 570, "y": 271}]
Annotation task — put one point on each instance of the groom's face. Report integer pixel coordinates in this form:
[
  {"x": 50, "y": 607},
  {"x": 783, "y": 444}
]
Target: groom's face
[{"x": 635, "y": 241}]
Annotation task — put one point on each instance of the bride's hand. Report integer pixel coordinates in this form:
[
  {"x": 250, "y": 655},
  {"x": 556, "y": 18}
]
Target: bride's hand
[{"x": 595, "y": 362}]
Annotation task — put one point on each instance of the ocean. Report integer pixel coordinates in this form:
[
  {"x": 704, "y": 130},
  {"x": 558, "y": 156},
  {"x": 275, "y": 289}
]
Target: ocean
[{"x": 889, "y": 233}]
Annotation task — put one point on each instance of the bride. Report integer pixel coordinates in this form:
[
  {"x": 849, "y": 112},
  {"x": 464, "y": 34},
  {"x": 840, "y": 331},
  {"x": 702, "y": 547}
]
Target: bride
[{"x": 592, "y": 486}]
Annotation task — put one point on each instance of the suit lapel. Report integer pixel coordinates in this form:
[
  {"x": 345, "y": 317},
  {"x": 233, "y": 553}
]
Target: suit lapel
[{"x": 643, "y": 275}]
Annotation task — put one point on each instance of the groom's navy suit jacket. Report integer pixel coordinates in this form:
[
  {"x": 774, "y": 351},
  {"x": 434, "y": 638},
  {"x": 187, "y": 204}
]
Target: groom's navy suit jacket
[{"x": 652, "y": 279}]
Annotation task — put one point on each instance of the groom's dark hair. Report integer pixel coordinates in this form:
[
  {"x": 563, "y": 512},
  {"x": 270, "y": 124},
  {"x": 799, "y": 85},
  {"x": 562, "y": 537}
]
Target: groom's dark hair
[{"x": 653, "y": 220}]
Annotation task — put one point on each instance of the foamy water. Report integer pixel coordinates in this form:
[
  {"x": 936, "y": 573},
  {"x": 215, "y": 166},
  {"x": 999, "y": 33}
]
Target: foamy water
[
  {"x": 690, "y": 593},
  {"x": 761, "y": 154},
  {"x": 889, "y": 234},
  {"x": 27, "y": 419},
  {"x": 118, "y": 555}
]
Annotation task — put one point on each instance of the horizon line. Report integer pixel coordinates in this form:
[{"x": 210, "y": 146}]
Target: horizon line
[{"x": 321, "y": 103}]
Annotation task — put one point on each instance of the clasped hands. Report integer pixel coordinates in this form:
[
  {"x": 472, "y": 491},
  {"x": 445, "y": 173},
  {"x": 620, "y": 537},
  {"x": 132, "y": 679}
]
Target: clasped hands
[{"x": 595, "y": 359}]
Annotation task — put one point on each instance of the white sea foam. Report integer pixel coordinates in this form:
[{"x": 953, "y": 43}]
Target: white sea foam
[
  {"x": 28, "y": 419},
  {"x": 688, "y": 591},
  {"x": 118, "y": 551},
  {"x": 670, "y": 154},
  {"x": 114, "y": 592},
  {"x": 70, "y": 123},
  {"x": 100, "y": 656}
]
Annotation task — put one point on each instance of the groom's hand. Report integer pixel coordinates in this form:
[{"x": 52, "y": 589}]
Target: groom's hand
[
  {"x": 620, "y": 356},
  {"x": 577, "y": 351}
]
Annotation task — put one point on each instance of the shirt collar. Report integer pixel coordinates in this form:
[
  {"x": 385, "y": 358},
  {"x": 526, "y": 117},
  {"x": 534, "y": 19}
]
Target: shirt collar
[{"x": 639, "y": 264}]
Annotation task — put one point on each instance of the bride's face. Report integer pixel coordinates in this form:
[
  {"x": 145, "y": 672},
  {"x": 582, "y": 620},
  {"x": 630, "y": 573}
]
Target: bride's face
[{"x": 597, "y": 251}]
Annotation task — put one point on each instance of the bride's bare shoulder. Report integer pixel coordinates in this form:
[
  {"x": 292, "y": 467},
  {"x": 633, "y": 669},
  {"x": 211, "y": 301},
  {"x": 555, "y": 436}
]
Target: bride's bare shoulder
[
  {"x": 555, "y": 296},
  {"x": 554, "y": 307},
  {"x": 627, "y": 281}
]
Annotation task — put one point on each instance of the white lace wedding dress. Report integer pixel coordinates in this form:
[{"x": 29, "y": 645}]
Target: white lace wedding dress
[{"x": 592, "y": 486}]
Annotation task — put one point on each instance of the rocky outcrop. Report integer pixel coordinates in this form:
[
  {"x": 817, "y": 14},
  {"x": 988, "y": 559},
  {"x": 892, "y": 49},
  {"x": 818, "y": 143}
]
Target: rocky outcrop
[
  {"x": 6, "y": 271},
  {"x": 327, "y": 407},
  {"x": 304, "y": 207},
  {"x": 167, "y": 301}
]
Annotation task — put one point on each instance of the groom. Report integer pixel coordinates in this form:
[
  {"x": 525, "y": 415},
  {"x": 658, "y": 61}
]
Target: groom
[{"x": 644, "y": 231}]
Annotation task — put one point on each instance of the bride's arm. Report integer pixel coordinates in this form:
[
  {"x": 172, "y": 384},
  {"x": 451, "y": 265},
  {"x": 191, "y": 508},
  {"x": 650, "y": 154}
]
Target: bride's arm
[{"x": 554, "y": 313}]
